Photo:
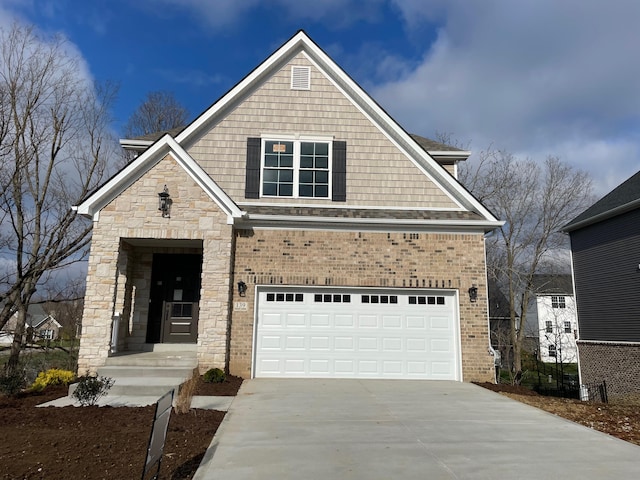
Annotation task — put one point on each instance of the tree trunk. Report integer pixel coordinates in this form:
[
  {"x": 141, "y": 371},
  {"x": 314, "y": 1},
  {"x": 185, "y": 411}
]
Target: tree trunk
[{"x": 16, "y": 347}]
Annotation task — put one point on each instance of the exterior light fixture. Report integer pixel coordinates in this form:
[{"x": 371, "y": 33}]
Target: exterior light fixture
[
  {"x": 242, "y": 288},
  {"x": 164, "y": 202},
  {"x": 473, "y": 293}
]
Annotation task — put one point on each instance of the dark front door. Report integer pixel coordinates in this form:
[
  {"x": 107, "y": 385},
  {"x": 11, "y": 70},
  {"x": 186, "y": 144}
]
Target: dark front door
[{"x": 173, "y": 303}]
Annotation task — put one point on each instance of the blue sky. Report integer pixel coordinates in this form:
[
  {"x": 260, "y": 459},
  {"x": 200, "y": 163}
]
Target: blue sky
[{"x": 536, "y": 78}]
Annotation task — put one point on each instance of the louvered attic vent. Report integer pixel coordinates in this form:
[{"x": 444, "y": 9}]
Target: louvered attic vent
[{"x": 300, "y": 78}]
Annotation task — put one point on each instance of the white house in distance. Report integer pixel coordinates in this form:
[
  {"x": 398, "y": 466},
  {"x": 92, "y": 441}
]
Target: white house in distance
[{"x": 557, "y": 316}]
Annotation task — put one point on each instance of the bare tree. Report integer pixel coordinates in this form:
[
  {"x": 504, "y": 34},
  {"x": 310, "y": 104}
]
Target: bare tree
[
  {"x": 535, "y": 200},
  {"x": 159, "y": 112},
  {"x": 54, "y": 149}
]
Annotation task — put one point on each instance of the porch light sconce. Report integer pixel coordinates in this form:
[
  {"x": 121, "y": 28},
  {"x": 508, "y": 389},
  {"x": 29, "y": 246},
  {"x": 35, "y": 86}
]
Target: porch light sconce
[
  {"x": 473, "y": 293},
  {"x": 164, "y": 202},
  {"x": 242, "y": 288}
]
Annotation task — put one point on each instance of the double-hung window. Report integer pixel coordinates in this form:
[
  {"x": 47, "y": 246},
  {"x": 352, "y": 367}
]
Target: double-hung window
[
  {"x": 558, "y": 302},
  {"x": 296, "y": 168}
]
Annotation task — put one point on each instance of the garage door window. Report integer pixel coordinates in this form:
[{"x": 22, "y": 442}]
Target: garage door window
[
  {"x": 379, "y": 299},
  {"x": 331, "y": 298},
  {"x": 285, "y": 297},
  {"x": 425, "y": 300}
]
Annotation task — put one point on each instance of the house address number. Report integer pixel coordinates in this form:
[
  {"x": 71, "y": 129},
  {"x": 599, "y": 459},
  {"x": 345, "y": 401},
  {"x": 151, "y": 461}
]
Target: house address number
[{"x": 240, "y": 306}]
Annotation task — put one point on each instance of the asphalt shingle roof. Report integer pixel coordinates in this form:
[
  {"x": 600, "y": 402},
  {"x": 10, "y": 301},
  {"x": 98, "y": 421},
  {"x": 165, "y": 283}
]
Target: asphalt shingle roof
[{"x": 624, "y": 197}]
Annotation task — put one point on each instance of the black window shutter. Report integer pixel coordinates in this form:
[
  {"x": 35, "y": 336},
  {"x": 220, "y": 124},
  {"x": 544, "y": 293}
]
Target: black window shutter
[
  {"x": 252, "y": 184},
  {"x": 339, "y": 172}
]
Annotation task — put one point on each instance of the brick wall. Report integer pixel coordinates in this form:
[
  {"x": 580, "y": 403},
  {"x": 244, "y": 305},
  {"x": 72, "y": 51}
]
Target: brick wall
[
  {"x": 616, "y": 363},
  {"x": 365, "y": 259}
]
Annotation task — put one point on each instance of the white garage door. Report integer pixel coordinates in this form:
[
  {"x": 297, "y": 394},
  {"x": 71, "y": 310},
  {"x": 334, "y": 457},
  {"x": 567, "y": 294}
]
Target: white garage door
[{"x": 356, "y": 334}]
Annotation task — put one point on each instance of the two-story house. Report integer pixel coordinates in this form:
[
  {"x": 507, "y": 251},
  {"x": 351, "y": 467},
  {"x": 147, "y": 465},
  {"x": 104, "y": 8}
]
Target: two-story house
[
  {"x": 293, "y": 229},
  {"x": 557, "y": 322}
]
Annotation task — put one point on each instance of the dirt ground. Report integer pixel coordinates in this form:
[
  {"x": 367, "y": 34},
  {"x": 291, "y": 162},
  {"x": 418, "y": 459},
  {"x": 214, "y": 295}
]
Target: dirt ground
[
  {"x": 100, "y": 442},
  {"x": 619, "y": 420},
  {"x": 110, "y": 443}
]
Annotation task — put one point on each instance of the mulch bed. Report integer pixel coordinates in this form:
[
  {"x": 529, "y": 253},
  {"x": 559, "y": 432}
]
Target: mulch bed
[{"x": 100, "y": 442}]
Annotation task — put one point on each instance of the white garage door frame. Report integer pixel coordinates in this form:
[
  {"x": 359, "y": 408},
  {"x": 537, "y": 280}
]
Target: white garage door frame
[{"x": 444, "y": 337}]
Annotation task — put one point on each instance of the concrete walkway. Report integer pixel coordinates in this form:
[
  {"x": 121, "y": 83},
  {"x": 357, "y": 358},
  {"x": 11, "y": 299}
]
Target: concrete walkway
[
  {"x": 204, "y": 402},
  {"x": 388, "y": 429}
]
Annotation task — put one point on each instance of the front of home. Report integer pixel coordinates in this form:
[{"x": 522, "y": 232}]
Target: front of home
[{"x": 292, "y": 230}]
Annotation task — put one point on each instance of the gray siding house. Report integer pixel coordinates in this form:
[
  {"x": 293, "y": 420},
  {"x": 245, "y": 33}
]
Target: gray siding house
[{"x": 605, "y": 245}]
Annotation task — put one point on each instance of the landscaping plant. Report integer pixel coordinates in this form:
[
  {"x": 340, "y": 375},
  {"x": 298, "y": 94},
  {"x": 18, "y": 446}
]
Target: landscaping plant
[
  {"x": 91, "y": 388},
  {"x": 214, "y": 375},
  {"x": 53, "y": 376}
]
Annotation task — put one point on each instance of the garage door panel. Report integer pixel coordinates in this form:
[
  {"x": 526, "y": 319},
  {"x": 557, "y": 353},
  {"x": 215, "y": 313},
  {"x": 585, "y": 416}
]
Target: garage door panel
[
  {"x": 368, "y": 321},
  {"x": 343, "y": 335},
  {"x": 320, "y": 321},
  {"x": 344, "y": 343},
  {"x": 368, "y": 344},
  {"x": 319, "y": 343},
  {"x": 389, "y": 322},
  {"x": 414, "y": 322},
  {"x": 295, "y": 343},
  {"x": 344, "y": 321}
]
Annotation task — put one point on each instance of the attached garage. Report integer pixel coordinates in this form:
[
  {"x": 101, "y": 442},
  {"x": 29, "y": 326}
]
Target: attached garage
[{"x": 356, "y": 333}]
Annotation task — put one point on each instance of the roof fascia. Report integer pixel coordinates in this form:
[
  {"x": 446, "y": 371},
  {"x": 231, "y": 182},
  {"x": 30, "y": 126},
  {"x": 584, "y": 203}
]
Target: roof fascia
[
  {"x": 285, "y": 221},
  {"x": 125, "y": 178},
  {"x": 603, "y": 216},
  {"x": 301, "y": 42}
]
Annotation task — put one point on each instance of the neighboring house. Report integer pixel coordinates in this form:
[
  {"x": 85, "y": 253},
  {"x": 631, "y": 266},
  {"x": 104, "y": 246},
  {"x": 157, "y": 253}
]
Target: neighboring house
[
  {"x": 39, "y": 326},
  {"x": 293, "y": 229},
  {"x": 605, "y": 246},
  {"x": 557, "y": 320}
]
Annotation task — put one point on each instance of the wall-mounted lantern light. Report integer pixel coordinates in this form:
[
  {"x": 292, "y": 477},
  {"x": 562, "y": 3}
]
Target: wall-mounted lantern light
[
  {"x": 242, "y": 288},
  {"x": 473, "y": 293},
  {"x": 164, "y": 202}
]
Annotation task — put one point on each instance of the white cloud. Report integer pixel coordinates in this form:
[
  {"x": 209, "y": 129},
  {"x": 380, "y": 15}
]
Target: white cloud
[
  {"x": 224, "y": 13},
  {"x": 544, "y": 76}
]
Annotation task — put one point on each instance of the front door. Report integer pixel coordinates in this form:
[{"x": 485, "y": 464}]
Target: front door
[{"x": 173, "y": 302}]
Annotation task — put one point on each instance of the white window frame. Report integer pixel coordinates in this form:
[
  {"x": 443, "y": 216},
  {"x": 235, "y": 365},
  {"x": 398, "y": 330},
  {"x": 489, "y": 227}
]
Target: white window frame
[
  {"x": 297, "y": 141},
  {"x": 552, "y": 348},
  {"x": 47, "y": 334},
  {"x": 567, "y": 327},
  {"x": 548, "y": 326},
  {"x": 558, "y": 301}
]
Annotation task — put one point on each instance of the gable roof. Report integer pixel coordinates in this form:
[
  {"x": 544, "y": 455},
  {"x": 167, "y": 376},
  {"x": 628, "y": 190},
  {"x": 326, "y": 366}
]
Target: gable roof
[
  {"x": 625, "y": 197},
  {"x": 92, "y": 205},
  {"x": 549, "y": 284},
  {"x": 300, "y": 43}
]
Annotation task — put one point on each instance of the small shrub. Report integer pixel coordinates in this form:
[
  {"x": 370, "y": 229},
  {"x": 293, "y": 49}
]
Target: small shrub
[
  {"x": 91, "y": 388},
  {"x": 13, "y": 382},
  {"x": 214, "y": 375},
  {"x": 53, "y": 376}
]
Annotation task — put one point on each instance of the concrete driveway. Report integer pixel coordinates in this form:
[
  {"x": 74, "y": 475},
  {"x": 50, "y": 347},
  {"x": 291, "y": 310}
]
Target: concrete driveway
[{"x": 388, "y": 429}]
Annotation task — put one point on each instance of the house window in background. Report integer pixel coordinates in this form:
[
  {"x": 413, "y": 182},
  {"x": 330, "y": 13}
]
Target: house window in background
[
  {"x": 549, "y": 326},
  {"x": 552, "y": 350},
  {"x": 567, "y": 327},
  {"x": 558, "y": 302}
]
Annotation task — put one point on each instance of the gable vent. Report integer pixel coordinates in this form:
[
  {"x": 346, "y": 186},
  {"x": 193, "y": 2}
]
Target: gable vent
[{"x": 300, "y": 78}]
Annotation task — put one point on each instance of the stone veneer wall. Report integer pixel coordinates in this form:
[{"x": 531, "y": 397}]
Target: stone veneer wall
[
  {"x": 616, "y": 363},
  {"x": 119, "y": 272},
  {"x": 365, "y": 259}
]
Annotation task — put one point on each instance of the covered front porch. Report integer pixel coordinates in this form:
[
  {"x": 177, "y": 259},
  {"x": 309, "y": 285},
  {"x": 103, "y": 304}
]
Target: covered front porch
[{"x": 159, "y": 305}]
